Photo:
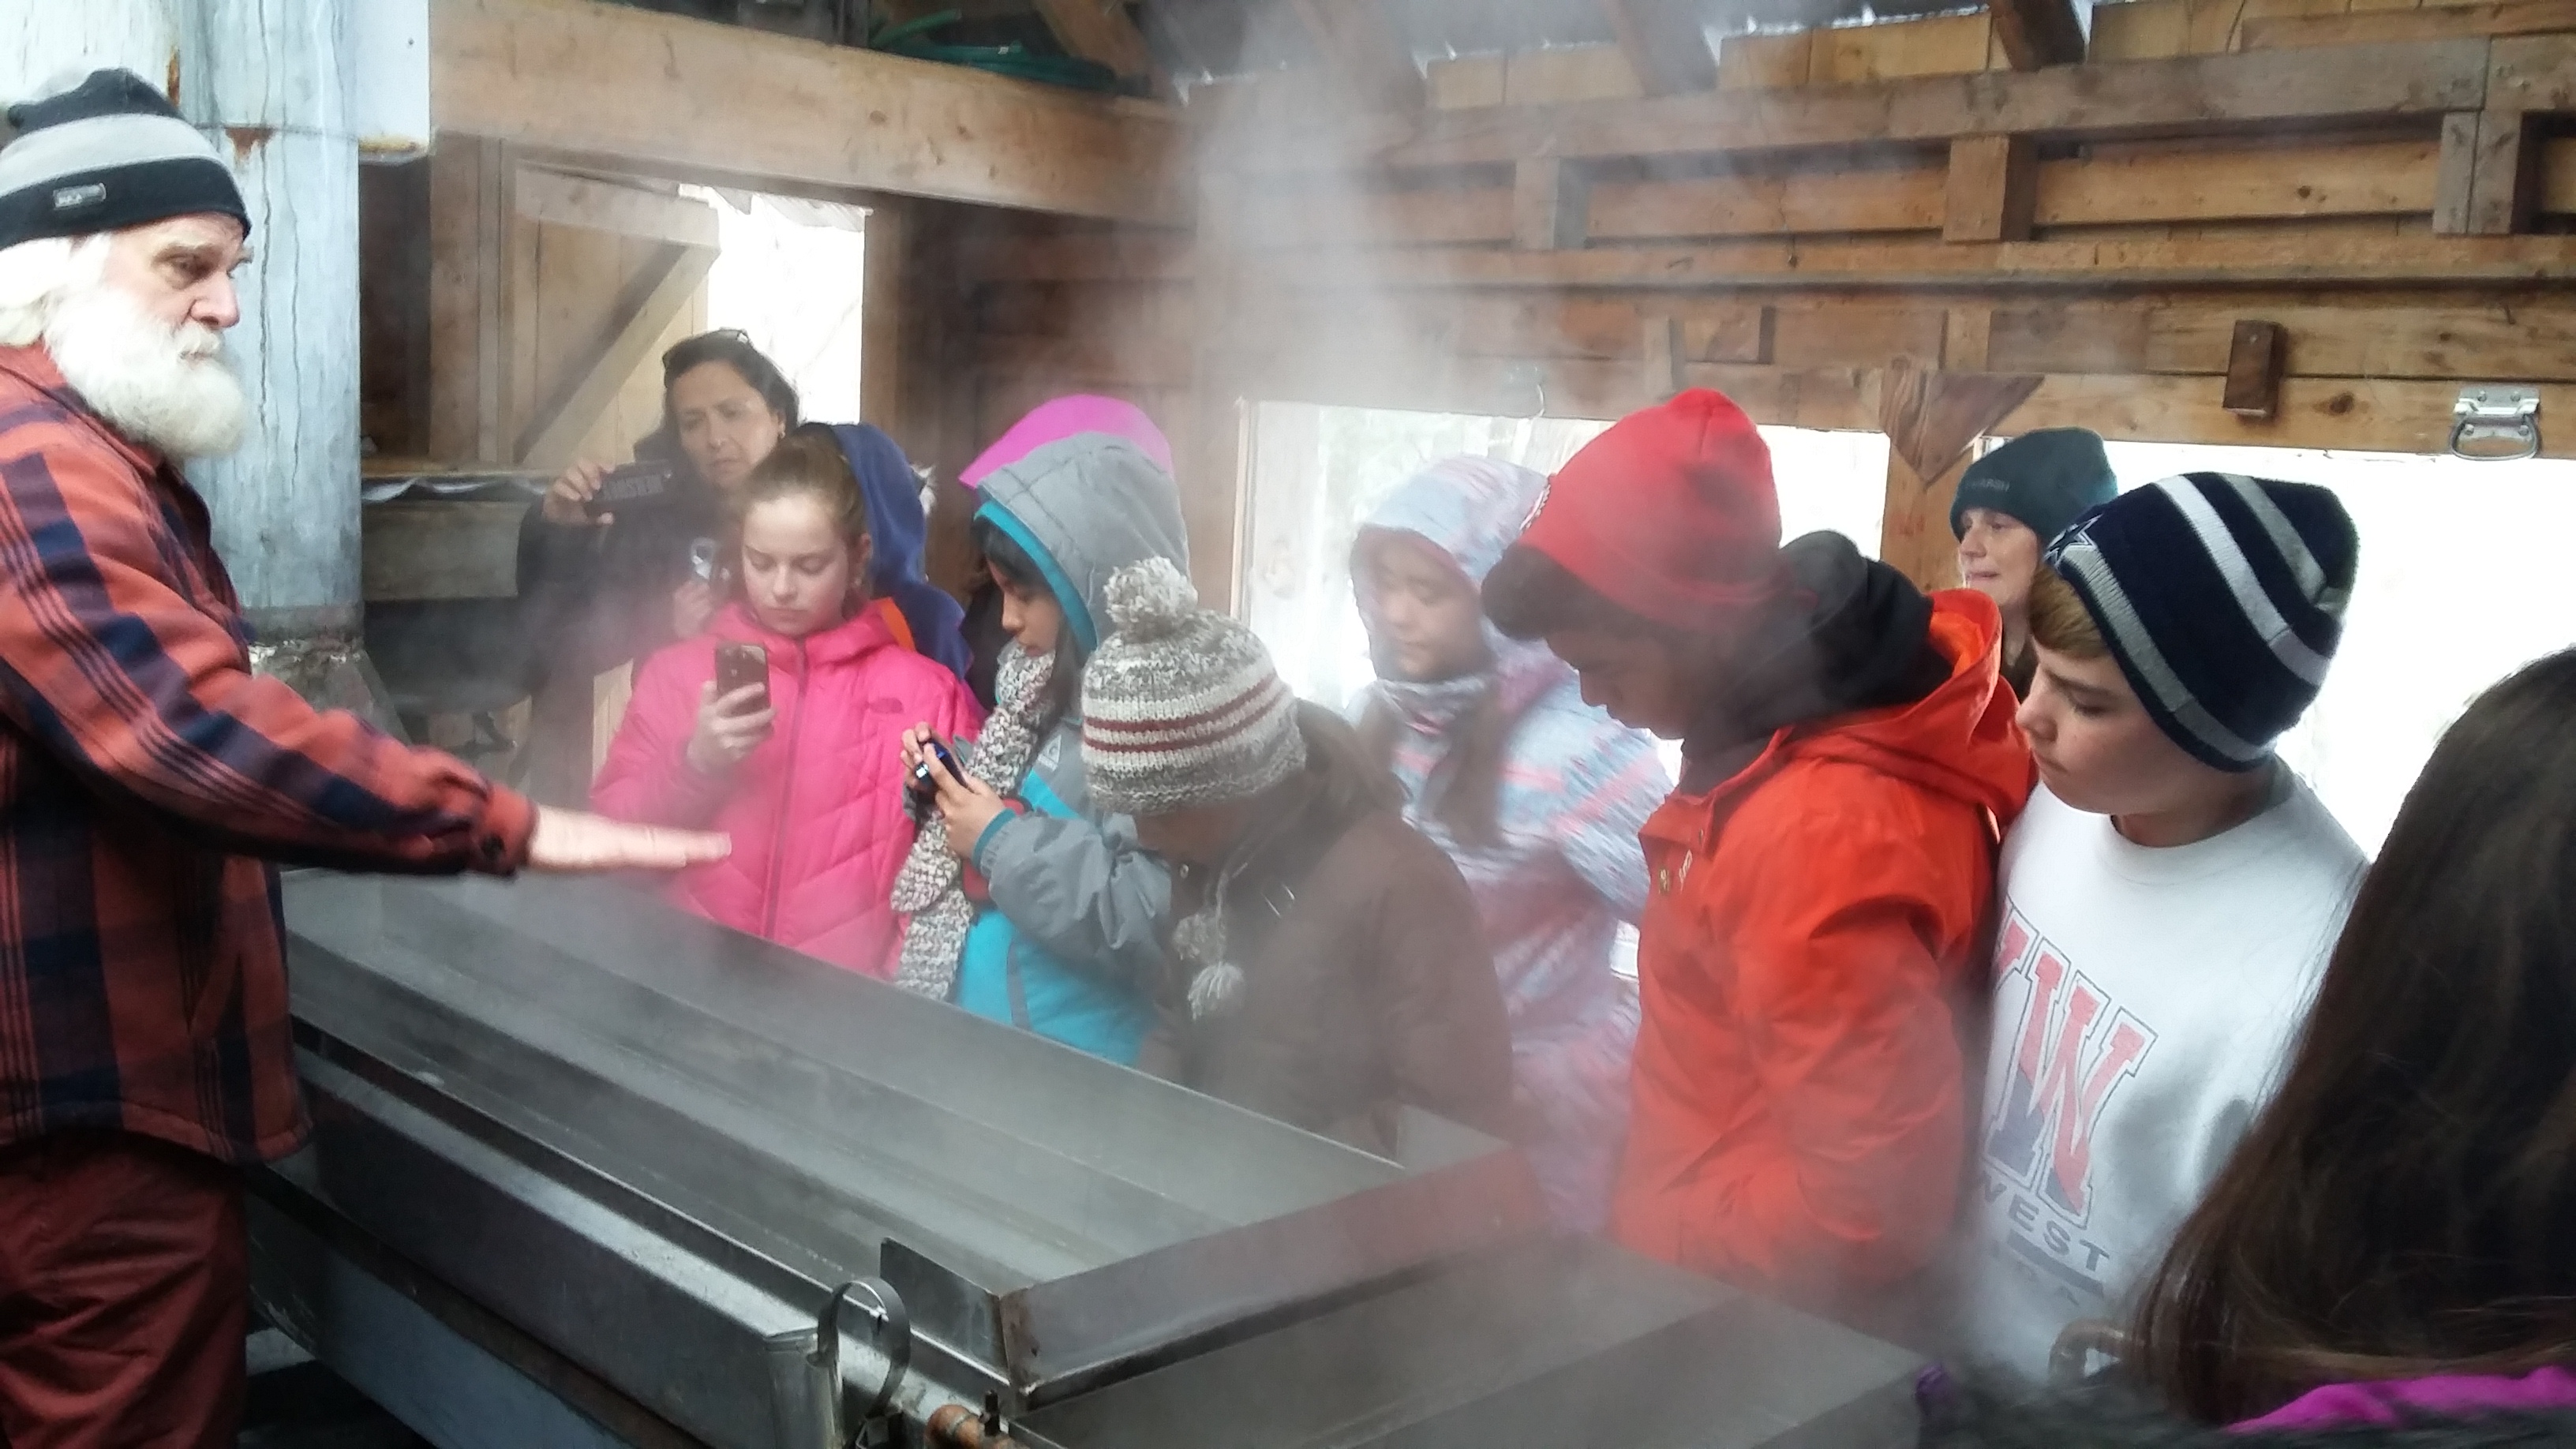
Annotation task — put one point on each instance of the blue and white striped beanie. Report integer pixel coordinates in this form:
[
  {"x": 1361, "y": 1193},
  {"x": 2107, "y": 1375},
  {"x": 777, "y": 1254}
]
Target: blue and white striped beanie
[
  {"x": 104, "y": 155},
  {"x": 2222, "y": 597}
]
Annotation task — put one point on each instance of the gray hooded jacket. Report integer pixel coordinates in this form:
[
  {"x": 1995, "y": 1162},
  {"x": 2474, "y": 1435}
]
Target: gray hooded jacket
[{"x": 1084, "y": 904}]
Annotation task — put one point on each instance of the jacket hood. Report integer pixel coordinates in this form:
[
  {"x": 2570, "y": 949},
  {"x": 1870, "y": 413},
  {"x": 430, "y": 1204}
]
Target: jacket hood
[
  {"x": 1471, "y": 509},
  {"x": 893, "y": 493},
  {"x": 863, "y": 632},
  {"x": 1057, "y": 419},
  {"x": 1849, "y": 635},
  {"x": 1961, "y": 739},
  {"x": 1084, "y": 508}
]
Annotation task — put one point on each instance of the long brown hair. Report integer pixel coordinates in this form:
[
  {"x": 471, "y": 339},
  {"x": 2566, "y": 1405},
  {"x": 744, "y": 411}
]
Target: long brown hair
[
  {"x": 807, "y": 462},
  {"x": 2407, "y": 1204}
]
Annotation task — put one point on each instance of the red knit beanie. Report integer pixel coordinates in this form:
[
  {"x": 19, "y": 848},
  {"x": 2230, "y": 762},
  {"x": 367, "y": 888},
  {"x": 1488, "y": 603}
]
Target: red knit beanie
[{"x": 1670, "y": 514}]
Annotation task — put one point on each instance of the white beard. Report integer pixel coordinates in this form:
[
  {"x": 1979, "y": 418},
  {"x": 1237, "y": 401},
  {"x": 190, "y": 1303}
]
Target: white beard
[{"x": 168, "y": 389}]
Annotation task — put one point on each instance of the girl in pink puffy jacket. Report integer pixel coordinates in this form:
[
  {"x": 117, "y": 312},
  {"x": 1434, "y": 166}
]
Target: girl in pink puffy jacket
[{"x": 809, "y": 783}]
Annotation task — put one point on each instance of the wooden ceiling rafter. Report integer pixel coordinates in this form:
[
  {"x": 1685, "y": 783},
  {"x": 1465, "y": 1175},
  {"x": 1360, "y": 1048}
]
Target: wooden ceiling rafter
[
  {"x": 1101, "y": 31},
  {"x": 1359, "y": 40},
  {"x": 1664, "y": 46},
  {"x": 2038, "y": 33}
]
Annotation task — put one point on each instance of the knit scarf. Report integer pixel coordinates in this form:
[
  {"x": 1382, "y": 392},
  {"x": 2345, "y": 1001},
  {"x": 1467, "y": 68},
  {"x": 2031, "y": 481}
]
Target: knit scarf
[{"x": 929, "y": 889}]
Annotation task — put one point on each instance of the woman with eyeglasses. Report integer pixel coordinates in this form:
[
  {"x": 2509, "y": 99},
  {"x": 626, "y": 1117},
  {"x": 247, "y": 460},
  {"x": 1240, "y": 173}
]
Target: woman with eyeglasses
[{"x": 615, "y": 564}]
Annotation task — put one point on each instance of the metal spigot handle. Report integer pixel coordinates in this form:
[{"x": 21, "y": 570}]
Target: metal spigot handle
[{"x": 892, "y": 1337}]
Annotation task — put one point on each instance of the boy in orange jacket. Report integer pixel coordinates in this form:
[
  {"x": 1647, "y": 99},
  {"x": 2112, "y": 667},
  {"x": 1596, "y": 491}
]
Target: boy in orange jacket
[{"x": 1822, "y": 880}]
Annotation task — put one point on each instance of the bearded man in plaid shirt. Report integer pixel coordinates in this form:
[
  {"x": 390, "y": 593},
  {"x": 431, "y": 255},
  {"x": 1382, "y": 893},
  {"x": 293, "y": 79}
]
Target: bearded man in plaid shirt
[{"x": 147, "y": 780}]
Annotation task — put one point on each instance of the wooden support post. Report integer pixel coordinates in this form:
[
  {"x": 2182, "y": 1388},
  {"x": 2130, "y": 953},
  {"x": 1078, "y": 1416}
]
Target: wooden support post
[
  {"x": 1551, "y": 209},
  {"x": 1664, "y": 357},
  {"x": 1993, "y": 189},
  {"x": 1914, "y": 531},
  {"x": 1360, "y": 41},
  {"x": 1933, "y": 420},
  {"x": 1967, "y": 336},
  {"x": 883, "y": 299},
  {"x": 472, "y": 307},
  {"x": 1215, "y": 464},
  {"x": 1663, "y": 44},
  {"x": 1100, "y": 30},
  {"x": 2253, "y": 370},
  {"x": 652, "y": 298},
  {"x": 2488, "y": 183},
  {"x": 2036, "y": 33}
]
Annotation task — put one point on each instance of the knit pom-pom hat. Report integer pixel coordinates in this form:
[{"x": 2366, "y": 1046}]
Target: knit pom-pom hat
[{"x": 1180, "y": 706}]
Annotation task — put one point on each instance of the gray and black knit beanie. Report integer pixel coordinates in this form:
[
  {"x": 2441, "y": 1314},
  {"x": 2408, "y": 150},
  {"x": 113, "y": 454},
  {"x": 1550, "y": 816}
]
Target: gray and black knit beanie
[
  {"x": 1180, "y": 706},
  {"x": 2047, "y": 479},
  {"x": 103, "y": 155}
]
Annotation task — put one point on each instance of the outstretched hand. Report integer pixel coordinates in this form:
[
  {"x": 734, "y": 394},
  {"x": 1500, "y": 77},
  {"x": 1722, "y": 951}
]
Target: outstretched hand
[{"x": 569, "y": 841}]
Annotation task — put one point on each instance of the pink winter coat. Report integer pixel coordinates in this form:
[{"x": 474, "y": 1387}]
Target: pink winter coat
[{"x": 816, "y": 812}]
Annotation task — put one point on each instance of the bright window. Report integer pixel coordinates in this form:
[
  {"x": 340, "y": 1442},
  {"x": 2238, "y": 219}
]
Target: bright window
[{"x": 790, "y": 272}]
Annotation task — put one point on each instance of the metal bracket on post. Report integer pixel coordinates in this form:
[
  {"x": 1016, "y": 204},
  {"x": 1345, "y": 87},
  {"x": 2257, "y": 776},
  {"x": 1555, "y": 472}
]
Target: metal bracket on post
[
  {"x": 2496, "y": 424},
  {"x": 805, "y": 1369}
]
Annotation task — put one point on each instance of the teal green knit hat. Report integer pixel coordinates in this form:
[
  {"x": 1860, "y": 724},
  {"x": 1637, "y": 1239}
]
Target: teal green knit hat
[{"x": 2047, "y": 479}]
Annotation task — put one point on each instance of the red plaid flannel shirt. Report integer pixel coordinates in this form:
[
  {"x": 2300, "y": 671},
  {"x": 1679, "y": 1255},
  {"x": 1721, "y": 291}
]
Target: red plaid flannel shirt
[{"x": 146, "y": 779}]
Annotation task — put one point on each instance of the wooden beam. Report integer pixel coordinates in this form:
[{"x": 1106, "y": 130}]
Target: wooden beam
[
  {"x": 2490, "y": 178},
  {"x": 1549, "y": 211},
  {"x": 2377, "y": 415},
  {"x": 652, "y": 298},
  {"x": 610, "y": 81},
  {"x": 1914, "y": 522},
  {"x": 887, "y": 309},
  {"x": 559, "y": 199},
  {"x": 2374, "y": 254},
  {"x": 1339, "y": 216},
  {"x": 472, "y": 202},
  {"x": 1090, "y": 257},
  {"x": 2137, "y": 182},
  {"x": 2036, "y": 33},
  {"x": 1664, "y": 46},
  {"x": 2531, "y": 73},
  {"x": 1993, "y": 189},
  {"x": 1360, "y": 42},
  {"x": 2433, "y": 22},
  {"x": 2198, "y": 94},
  {"x": 1967, "y": 338},
  {"x": 1663, "y": 357},
  {"x": 1744, "y": 205},
  {"x": 1102, "y": 31},
  {"x": 1568, "y": 73}
]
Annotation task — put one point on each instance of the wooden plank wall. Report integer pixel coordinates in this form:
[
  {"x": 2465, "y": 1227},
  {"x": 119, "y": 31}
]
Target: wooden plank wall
[
  {"x": 1849, "y": 197},
  {"x": 1047, "y": 305}
]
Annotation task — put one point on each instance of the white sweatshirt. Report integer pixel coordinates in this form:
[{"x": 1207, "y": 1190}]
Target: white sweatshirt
[{"x": 2145, "y": 1002}]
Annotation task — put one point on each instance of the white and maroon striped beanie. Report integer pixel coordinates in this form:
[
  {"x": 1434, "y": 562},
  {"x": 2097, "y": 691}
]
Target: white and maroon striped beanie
[{"x": 1180, "y": 706}]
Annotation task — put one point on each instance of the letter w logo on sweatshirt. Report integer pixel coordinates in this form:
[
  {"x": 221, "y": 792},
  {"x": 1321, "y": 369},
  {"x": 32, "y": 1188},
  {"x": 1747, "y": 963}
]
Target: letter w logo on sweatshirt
[{"x": 2072, "y": 1047}]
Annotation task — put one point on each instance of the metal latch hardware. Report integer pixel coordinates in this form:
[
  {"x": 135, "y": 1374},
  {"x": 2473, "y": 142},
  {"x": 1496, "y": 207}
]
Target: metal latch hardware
[{"x": 2496, "y": 424}]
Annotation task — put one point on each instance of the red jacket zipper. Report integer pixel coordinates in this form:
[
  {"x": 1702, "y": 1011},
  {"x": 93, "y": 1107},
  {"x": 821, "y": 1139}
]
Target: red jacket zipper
[{"x": 786, "y": 797}]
